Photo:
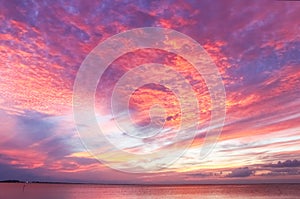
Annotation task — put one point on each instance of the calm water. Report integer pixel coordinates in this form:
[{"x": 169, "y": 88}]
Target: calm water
[{"x": 64, "y": 191}]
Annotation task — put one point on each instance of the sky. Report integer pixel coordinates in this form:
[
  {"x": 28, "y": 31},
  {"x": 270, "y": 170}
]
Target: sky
[{"x": 255, "y": 46}]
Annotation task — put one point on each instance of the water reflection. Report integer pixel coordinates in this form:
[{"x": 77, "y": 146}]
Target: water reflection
[{"x": 64, "y": 191}]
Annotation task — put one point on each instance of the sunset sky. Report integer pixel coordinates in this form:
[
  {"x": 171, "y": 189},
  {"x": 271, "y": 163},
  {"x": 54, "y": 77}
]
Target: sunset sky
[{"x": 255, "y": 46}]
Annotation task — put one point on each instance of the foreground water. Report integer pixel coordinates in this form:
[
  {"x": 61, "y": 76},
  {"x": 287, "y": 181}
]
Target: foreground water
[{"x": 68, "y": 191}]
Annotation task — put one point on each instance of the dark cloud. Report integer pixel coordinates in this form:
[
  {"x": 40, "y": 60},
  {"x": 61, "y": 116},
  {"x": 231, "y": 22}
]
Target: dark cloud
[
  {"x": 240, "y": 172},
  {"x": 9, "y": 172},
  {"x": 287, "y": 163},
  {"x": 283, "y": 172},
  {"x": 201, "y": 174}
]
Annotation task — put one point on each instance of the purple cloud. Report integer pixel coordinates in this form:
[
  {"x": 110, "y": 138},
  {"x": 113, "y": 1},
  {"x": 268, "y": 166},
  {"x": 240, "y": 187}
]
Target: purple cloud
[
  {"x": 287, "y": 163},
  {"x": 240, "y": 172}
]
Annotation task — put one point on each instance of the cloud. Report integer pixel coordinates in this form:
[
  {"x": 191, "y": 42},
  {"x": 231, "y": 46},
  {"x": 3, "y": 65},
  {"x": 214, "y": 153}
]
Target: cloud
[
  {"x": 240, "y": 172},
  {"x": 200, "y": 174},
  {"x": 10, "y": 172},
  {"x": 287, "y": 163}
]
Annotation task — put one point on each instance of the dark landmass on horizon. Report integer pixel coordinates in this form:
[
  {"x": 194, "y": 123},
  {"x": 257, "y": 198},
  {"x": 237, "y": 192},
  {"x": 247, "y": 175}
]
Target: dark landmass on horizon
[{"x": 136, "y": 184}]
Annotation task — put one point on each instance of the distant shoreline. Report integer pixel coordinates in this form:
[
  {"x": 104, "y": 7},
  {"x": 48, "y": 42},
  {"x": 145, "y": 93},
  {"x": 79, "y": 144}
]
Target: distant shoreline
[{"x": 128, "y": 184}]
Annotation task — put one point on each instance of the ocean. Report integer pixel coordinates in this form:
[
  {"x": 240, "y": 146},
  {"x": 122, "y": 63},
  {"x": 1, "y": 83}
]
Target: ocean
[{"x": 85, "y": 191}]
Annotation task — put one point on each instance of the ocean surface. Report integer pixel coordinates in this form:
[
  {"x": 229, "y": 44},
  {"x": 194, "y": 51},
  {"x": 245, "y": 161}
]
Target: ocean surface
[{"x": 82, "y": 191}]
